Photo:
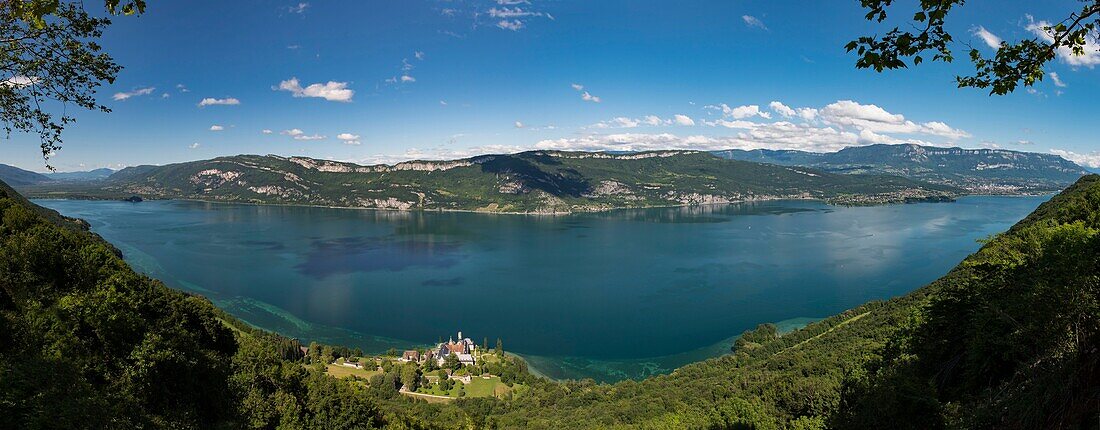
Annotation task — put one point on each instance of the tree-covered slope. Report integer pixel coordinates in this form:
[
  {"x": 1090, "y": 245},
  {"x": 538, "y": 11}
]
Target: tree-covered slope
[
  {"x": 15, "y": 176},
  {"x": 85, "y": 342},
  {"x": 1008, "y": 339},
  {"x": 976, "y": 170},
  {"x": 540, "y": 181}
]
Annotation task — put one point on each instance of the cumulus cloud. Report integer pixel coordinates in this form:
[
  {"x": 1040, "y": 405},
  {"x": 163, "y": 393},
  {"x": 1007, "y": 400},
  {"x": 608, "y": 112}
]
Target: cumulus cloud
[
  {"x": 1090, "y": 57},
  {"x": 519, "y": 124},
  {"x": 991, "y": 40},
  {"x": 683, "y": 120},
  {"x": 847, "y": 113},
  {"x": 588, "y": 97},
  {"x": 1091, "y": 159},
  {"x": 331, "y": 90},
  {"x": 216, "y": 127},
  {"x": 298, "y": 134},
  {"x": 739, "y": 112},
  {"x": 348, "y": 138},
  {"x": 229, "y": 101},
  {"x": 782, "y": 109},
  {"x": 266, "y": 131},
  {"x": 407, "y": 79},
  {"x": 195, "y": 145},
  {"x": 126, "y": 95},
  {"x": 577, "y": 87},
  {"x": 753, "y": 21}
]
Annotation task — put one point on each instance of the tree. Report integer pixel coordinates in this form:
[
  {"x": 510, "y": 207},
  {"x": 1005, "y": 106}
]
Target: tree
[
  {"x": 1014, "y": 63},
  {"x": 410, "y": 377},
  {"x": 451, "y": 362},
  {"x": 49, "y": 57},
  {"x": 500, "y": 347}
]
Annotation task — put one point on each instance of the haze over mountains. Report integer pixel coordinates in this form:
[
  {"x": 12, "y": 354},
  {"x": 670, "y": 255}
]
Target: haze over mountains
[{"x": 15, "y": 176}]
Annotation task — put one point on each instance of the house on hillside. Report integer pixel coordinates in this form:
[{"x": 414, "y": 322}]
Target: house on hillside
[
  {"x": 463, "y": 348},
  {"x": 411, "y": 356}
]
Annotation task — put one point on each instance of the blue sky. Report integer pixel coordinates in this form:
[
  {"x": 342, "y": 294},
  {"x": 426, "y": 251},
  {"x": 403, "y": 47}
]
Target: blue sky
[{"x": 371, "y": 81}]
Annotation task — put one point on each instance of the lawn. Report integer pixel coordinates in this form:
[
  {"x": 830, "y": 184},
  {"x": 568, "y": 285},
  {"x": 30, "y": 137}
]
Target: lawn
[
  {"x": 339, "y": 371},
  {"x": 477, "y": 387}
]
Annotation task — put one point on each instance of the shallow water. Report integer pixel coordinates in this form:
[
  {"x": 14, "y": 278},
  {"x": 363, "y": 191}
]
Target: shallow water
[{"x": 610, "y": 295}]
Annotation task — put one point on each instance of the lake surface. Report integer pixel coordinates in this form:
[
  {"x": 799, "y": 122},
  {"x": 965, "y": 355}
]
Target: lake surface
[{"x": 610, "y": 295}]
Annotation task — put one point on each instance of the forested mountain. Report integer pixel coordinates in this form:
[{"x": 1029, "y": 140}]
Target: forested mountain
[
  {"x": 1008, "y": 339},
  {"x": 995, "y": 171},
  {"x": 15, "y": 176},
  {"x": 539, "y": 181}
]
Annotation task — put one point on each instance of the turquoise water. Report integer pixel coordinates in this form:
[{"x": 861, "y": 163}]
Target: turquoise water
[{"x": 622, "y": 294}]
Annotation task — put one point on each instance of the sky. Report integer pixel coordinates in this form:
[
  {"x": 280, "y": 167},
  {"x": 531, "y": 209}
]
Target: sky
[{"x": 381, "y": 82}]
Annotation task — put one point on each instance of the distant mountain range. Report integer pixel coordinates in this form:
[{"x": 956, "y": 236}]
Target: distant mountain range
[
  {"x": 985, "y": 171},
  {"x": 15, "y": 176},
  {"x": 528, "y": 182},
  {"x": 558, "y": 182}
]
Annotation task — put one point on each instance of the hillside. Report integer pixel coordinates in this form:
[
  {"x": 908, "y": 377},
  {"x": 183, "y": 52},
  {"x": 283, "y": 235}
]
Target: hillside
[
  {"x": 1008, "y": 339},
  {"x": 15, "y": 176},
  {"x": 985, "y": 171},
  {"x": 529, "y": 182}
]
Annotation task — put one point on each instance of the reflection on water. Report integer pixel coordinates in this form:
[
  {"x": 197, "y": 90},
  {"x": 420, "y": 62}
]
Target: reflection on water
[{"x": 589, "y": 295}]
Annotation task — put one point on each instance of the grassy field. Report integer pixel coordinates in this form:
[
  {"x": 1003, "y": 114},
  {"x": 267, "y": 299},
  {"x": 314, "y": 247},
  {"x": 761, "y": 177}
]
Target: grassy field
[
  {"x": 339, "y": 371},
  {"x": 478, "y": 387}
]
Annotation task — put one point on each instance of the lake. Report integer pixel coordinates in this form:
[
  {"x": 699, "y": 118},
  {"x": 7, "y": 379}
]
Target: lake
[{"x": 613, "y": 295}]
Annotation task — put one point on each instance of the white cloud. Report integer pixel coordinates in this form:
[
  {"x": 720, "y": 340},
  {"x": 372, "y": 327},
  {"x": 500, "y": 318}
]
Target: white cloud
[
  {"x": 577, "y": 87},
  {"x": 648, "y": 120},
  {"x": 230, "y": 101},
  {"x": 1057, "y": 80},
  {"x": 586, "y": 96},
  {"x": 753, "y": 21},
  {"x": 18, "y": 81},
  {"x": 739, "y": 112},
  {"x": 265, "y": 131},
  {"x": 135, "y": 93},
  {"x": 782, "y": 109},
  {"x": 443, "y": 103},
  {"x": 195, "y": 145},
  {"x": 182, "y": 88},
  {"x": 331, "y": 90},
  {"x": 407, "y": 78},
  {"x": 1091, "y": 159},
  {"x": 1089, "y": 58},
  {"x": 683, "y": 120},
  {"x": 298, "y": 134},
  {"x": 216, "y": 127},
  {"x": 508, "y": 13},
  {"x": 514, "y": 25},
  {"x": 348, "y": 138},
  {"x": 991, "y": 40},
  {"x": 299, "y": 8},
  {"x": 419, "y": 55},
  {"x": 847, "y": 113},
  {"x": 519, "y": 124}
]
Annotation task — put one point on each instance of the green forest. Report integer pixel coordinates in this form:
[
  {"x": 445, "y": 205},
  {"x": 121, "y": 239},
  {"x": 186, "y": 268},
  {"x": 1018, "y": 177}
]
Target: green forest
[{"x": 1008, "y": 339}]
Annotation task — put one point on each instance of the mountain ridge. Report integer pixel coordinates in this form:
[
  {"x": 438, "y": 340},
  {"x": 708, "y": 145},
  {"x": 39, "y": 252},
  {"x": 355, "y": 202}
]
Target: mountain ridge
[
  {"x": 980, "y": 171},
  {"x": 528, "y": 182}
]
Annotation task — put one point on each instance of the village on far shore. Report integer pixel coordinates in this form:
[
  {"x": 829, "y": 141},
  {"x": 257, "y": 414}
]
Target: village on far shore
[{"x": 452, "y": 369}]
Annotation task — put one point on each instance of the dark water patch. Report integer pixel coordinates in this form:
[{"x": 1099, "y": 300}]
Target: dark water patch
[
  {"x": 368, "y": 254},
  {"x": 449, "y": 282}
]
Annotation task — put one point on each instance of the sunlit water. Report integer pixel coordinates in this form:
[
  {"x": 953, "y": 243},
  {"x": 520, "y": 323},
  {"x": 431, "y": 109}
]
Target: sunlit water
[{"x": 611, "y": 295}]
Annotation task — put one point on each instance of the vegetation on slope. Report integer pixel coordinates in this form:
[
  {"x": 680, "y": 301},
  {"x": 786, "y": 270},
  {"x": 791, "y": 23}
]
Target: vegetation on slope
[
  {"x": 539, "y": 181},
  {"x": 987, "y": 171},
  {"x": 1006, "y": 339}
]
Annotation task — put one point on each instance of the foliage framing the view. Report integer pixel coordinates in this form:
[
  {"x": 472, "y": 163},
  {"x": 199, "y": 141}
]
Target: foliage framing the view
[
  {"x": 1014, "y": 63},
  {"x": 48, "y": 57}
]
